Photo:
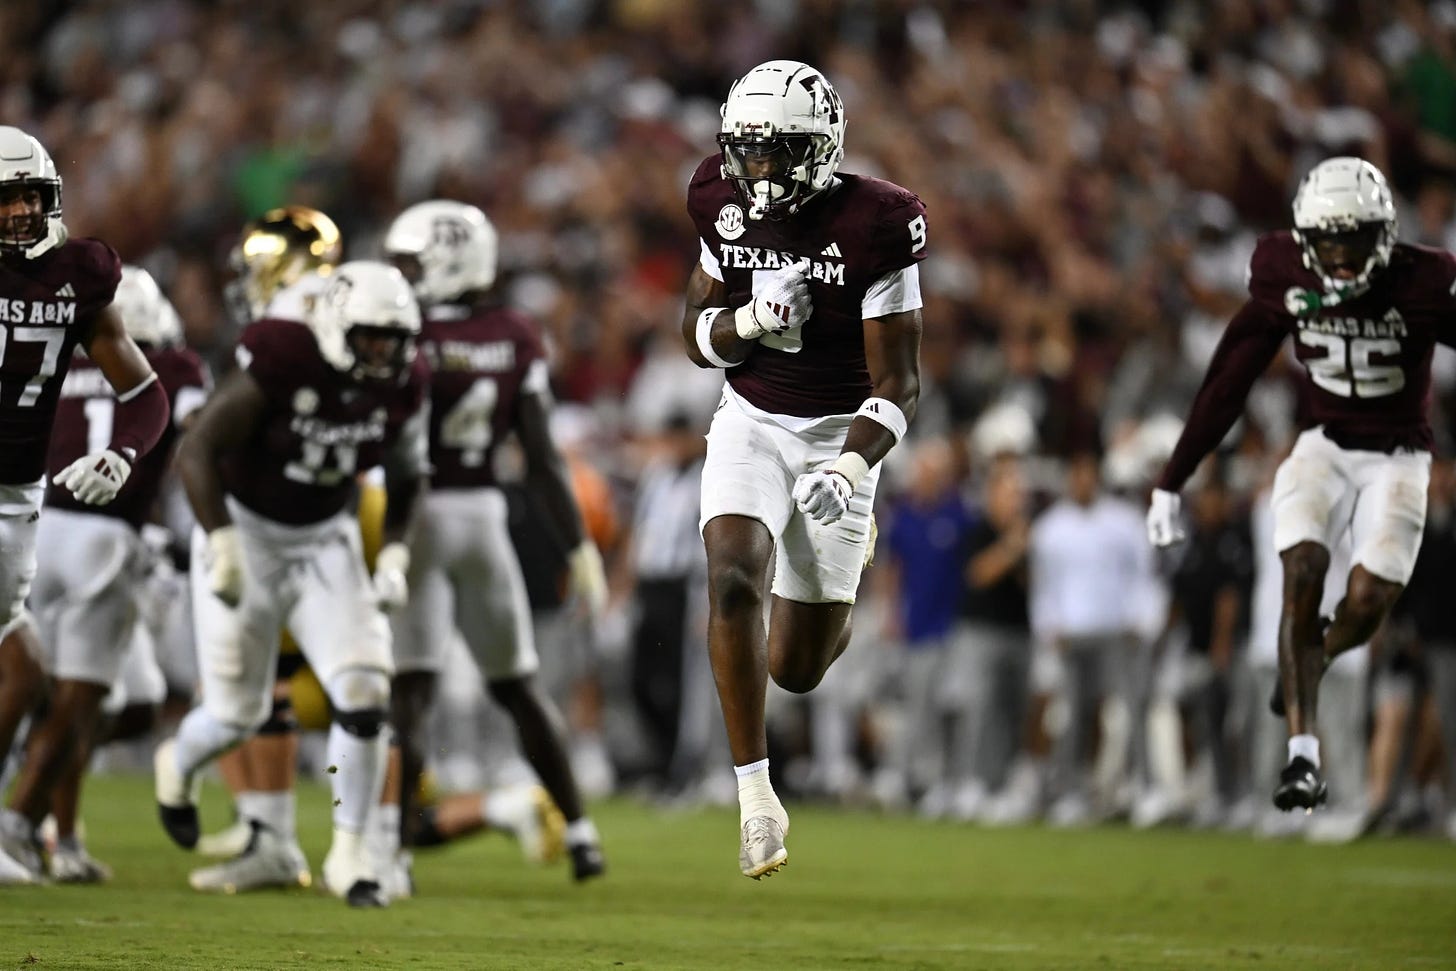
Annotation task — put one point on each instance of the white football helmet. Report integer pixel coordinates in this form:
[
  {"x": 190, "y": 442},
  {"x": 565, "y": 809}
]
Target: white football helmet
[
  {"x": 453, "y": 244},
  {"x": 782, "y": 137},
  {"x": 1344, "y": 222},
  {"x": 24, "y": 162},
  {"x": 147, "y": 315},
  {"x": 366, "y": 320}
]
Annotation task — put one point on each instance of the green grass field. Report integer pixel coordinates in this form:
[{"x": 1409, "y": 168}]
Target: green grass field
[{"x": 861, "y": 891}]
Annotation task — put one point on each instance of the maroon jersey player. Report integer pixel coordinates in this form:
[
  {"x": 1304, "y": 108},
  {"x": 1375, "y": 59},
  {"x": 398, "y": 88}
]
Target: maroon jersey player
[
  {"x": 269, "y": 465},
  {"x": 90, "y": 561},
  {"x": 1365, "y": 313},
  {"x": 489, "y": 379},
  {"x": 807, "y": 292},
  {"x": 54, "y": 295}
]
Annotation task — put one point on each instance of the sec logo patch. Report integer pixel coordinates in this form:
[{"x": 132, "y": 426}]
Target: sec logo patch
[{"x": 730, "y": 221}]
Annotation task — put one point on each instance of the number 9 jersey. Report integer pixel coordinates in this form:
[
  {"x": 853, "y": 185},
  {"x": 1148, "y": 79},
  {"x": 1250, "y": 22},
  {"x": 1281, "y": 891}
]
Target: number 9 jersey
[{"x": 321, "y": 426}]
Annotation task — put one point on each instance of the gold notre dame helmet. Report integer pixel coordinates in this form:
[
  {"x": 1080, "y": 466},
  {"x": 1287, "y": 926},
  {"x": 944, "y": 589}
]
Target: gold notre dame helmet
[{"x": 275, "y": 250}]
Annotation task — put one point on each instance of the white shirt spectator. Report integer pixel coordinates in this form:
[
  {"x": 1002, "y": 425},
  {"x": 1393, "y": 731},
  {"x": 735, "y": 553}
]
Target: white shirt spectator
[{"x": 1090, "y": 570}]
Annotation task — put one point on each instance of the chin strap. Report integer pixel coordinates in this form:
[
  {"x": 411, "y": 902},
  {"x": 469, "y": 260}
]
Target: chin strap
[{"x": 55, "y": 237}]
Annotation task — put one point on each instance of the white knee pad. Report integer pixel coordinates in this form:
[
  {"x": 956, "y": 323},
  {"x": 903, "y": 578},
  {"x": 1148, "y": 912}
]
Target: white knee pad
[{"x": 360, "y": 697}]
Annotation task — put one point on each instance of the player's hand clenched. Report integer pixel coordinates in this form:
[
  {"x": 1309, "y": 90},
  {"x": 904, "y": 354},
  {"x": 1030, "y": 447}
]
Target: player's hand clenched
[
  {"x": 225, "y": 564},
  {"x": 823, "y": 496},
  {"x": 95, "y": 479},
  {"x": 391, "y": 569},
  {"x": 780, "y": 302}
]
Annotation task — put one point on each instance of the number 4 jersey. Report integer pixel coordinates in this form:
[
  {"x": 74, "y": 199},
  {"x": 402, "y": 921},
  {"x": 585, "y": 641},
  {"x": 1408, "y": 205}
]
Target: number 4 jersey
[
  {"x": 84, "y": 421},
  {"x": 482, "y": 361},
  {"x": 45, "y": 304},
  {"x": 1368, "y": 361},
  {"x": 319, "y": 427}
]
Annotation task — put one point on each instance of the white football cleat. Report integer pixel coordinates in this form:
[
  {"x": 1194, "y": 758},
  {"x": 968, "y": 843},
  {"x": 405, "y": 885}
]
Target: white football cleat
[
  {"x": 761, "y": 850},
  {"x": 12, "y": 873},
  {"x": 77, "y": 866},
  {"x": 531, "y": 816},
  {"x": 226, "y": 843},
  {"x": 397, "y": 877},
  {"x": 349, "y": 874},
  {"x": 267, "y": 861}
]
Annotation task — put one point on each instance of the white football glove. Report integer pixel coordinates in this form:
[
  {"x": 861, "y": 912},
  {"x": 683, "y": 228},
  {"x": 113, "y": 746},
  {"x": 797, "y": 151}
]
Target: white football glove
[
  {"x": 823, "y": 496},
  {"x": 391, "y": 568},
  {"x": 225, "y": 564},
  {"x": 587, "y": 578},
  {"x": 781, "y": 303},
  {"x": 1165, "y": 525},
  {"x": 95, "y": 479}
]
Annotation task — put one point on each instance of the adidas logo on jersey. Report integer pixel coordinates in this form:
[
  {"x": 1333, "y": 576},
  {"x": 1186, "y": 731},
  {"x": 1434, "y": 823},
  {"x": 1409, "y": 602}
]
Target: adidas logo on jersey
[
  {"x": 66, "y": 291},
  {"x": 832, "y": 250}
]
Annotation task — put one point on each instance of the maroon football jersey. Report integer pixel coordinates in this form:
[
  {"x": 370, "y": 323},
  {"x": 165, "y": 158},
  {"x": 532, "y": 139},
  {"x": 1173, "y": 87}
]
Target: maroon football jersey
[
  {"x": 852, "y": 235},
  {"x": 45, "y": 306},
  {"x": 478, "y": 365},
  {"x": 84, "y": 419},
  {"x": 319, "y": 428},
  {"x": 1367, "y": 362}
]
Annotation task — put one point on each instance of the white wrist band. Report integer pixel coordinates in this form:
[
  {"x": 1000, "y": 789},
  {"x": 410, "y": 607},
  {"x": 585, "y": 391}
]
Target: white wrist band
[
  {"x": 852, "y": 466},
  {"x": 887, "y": 413},
  {"x": 705, "y": 338}
]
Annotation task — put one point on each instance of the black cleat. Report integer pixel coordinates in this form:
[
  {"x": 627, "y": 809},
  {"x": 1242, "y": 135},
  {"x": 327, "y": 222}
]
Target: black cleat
[
  {"x": 181, "y": 824},
  {"x": 1276, "y": 699},
  {"x": 365, "y": 893},
  {"x": 587, "y": 861},
  {"x": 1300, "y": 786}
]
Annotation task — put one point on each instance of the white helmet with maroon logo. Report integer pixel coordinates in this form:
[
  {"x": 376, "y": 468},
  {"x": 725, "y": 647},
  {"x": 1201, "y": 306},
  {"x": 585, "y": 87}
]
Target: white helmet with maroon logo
[
  {"x": 366, "y": 320},
  {"x": 25, "y": 167},
  {"x": 447, "y": 249},
  {"x": 1344, "y": 222},
  {"x": 782, "y": 137}
]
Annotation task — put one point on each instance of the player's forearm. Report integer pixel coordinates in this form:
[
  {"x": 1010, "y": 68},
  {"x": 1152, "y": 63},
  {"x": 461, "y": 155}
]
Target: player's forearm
[
  {"x": 402, "y": 496},
  {"x": 142, "y": 414},
  {"x": 712, "y": 330},
  {"x": 197, "y": 464},
  {"x": 548, "y": 478},
  {"x": 877, "y": 426}
]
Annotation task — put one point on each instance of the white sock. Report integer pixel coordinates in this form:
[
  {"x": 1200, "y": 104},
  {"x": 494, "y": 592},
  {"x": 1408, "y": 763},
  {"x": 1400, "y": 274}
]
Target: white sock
[
  {"x": 201, "y": 738},
  {"x": 278, "y": 811},
  {"x": 248, "y": 806},
  {"x": 383, "y": 833},
  {"x": 1304, "y": 746},
  {"x": 583, "y": 832},
  {"x": 357, "y": 776},
  {"x": 755, "y": 794}
]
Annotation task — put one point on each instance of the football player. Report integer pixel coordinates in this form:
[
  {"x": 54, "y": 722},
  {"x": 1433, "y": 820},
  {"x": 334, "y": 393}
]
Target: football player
[
  {"x": 1364, "y": 312},
  {"x": 91, "y": 559},
  {"x": 807, "y": 292},
  {"x": 280, "y": 264},
  {"x": 489, "y": 380},
  {"x": 55, "y": 294},
  {"x": 269, "y": 467}
]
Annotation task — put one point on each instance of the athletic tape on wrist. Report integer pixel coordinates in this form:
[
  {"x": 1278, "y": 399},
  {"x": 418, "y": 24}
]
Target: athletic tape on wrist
[
  {"x": 852, "y": 466},
  {"x": 705, "y": 338},
  {"x": 887, "y": 413}
]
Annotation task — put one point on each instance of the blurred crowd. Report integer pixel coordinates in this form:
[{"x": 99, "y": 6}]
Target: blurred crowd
[{"x": 1095, "y": 175}]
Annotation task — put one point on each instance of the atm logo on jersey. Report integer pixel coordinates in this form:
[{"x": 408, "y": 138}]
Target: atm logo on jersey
[
  {"x": 737, "y": 257},
  {"x": 38, "y": 311}
]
